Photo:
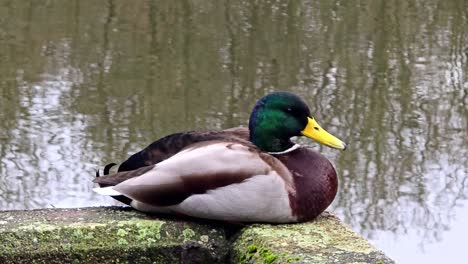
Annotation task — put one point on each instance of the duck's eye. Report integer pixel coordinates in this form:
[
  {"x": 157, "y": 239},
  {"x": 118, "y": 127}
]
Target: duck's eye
[{"x": 289, "y": 110}]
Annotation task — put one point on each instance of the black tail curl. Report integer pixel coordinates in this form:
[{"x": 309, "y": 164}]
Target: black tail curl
[{"x": 106, "y": 170}]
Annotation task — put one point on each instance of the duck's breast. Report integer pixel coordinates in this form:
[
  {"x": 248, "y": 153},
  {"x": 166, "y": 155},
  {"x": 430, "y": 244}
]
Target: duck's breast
[{"x": 315, "y": 182}]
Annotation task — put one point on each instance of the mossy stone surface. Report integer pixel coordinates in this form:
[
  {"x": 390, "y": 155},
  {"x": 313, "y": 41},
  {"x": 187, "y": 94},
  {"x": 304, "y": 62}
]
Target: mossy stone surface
[
  {"x": 106, "y": 235},
  {"x": 123, "y": 235},
  {"x": 324, "y": 240}
]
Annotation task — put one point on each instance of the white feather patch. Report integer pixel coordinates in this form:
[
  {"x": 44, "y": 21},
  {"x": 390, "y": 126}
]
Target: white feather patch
[{"x": 107, "y": 191}]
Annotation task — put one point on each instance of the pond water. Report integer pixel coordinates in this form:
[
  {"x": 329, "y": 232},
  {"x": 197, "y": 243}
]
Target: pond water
[{"x": 84, "y": 83}]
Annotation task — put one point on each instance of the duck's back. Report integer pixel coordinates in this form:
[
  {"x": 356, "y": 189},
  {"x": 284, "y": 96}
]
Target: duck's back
[{"x": 167, "y": 146}]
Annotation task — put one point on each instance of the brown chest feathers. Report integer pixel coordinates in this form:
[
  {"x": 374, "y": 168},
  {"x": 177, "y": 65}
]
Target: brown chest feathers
[{"x": 315, "y": 182}]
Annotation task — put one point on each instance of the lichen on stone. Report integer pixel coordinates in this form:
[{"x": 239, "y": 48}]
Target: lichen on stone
[
  {"x": 109, "y": 235},
  {"x": 188, "y": 234},
  {"x": 325, "y": 240},
  {"x": 102, "y": 235}
]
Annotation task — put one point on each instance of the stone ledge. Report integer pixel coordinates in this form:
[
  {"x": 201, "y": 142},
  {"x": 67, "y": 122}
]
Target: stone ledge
[
  {"x": 325, "y": 240},
  {"x": 106, "y": 235},
  {"x": 122, "y": 235}
]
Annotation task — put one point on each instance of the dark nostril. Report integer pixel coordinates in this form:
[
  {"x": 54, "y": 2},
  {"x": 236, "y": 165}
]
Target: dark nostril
[{"x": 316, "y": 128}]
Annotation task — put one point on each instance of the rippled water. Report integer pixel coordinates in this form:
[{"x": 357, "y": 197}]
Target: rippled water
[{"x": 84, "y": 83}]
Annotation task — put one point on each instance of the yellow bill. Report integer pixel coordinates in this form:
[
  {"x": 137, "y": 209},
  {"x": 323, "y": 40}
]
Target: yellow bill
[{"x": 317, "y": 133}]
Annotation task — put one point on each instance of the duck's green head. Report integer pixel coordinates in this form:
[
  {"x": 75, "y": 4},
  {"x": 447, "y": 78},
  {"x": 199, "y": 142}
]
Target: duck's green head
[{"x": 279, "y": 116}]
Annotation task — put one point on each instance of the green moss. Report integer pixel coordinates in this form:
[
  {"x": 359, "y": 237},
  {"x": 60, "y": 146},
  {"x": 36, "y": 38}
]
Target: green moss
[
  {"x": 188, "y": 234},
  {"x": 258, "y": 254},
  {"x": 104, "y": 235},
  {"x": 122, "y": 242},
  {"x": 122, "y": 232},
  {"x": 100, "y": 235},
  {"x": 323, "y": 241},
  {"x": 293, "y": 259},
  {"x": 267, "y": 256},
  {"x": 149, "y": 234},
  {"x": 249, "y": 254},
  {"x": 252, "y": 248}
]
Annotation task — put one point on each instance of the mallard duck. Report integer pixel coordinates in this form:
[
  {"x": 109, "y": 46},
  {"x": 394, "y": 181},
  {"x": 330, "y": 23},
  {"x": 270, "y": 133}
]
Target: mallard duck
[{"x": 236, "y": 175}]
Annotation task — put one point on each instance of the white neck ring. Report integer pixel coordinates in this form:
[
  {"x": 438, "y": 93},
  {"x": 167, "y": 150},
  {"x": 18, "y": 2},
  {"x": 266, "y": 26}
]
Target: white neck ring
[{"x": 294, "y": 147}]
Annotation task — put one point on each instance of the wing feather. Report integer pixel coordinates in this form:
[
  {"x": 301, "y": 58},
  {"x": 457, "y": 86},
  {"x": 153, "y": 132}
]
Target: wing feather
[{"x": 201, "y": 167}]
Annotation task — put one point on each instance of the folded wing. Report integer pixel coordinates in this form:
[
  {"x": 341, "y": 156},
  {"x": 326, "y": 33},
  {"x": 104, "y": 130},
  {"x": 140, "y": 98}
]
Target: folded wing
[{"x": 196, "y": 170}]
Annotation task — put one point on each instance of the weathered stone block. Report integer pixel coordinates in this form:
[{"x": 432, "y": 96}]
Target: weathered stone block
[
  {"x": 324, "y": 240},
  {"x": 123, "y": 235},
  {"x": 106, "y": 235}
]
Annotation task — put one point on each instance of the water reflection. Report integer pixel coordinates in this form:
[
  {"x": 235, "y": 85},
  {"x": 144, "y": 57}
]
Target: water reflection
[{"x": 84, "y": 83}]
